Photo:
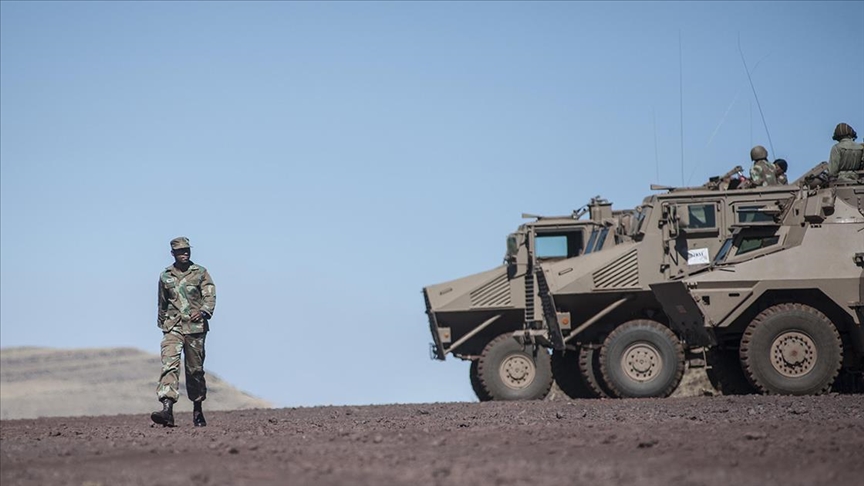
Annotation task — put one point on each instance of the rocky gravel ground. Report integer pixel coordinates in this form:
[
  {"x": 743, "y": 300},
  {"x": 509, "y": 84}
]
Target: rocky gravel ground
[{"x": 743, "y": 440}]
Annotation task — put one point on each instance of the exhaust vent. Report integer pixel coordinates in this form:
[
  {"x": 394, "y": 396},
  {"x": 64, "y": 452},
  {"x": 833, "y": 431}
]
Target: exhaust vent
[
  {"x": 622, "y": 273},
  {"x": 494, "y": 294}
]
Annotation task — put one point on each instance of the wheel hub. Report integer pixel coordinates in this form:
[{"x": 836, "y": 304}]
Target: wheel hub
[
  {"x": 793, "y": 354},
  {"x": 517, "y": 371},
  {"x": 641, "y": 362}
]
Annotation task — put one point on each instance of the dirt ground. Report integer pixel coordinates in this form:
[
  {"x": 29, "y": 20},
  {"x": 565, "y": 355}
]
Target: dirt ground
[{"x": 740, "y": 440}]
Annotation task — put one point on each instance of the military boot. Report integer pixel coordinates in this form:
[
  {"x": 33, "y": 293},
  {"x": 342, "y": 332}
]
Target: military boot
[
  {"x": 166, "y": 415},
  {"x": 198, "y": 415}
]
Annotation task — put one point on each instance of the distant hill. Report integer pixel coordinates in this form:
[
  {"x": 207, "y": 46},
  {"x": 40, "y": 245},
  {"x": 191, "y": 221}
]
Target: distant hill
[{"x": 44, "y": 382}]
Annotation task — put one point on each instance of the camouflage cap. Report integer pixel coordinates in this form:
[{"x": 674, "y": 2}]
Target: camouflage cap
[{"x": 180, "y": 242}]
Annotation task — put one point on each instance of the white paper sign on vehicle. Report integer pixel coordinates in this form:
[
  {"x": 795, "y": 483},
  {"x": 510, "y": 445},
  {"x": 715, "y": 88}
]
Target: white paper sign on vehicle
[{"x": 697, "y": 256}]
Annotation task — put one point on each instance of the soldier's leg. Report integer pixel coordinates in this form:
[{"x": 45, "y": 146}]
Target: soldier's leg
[
  {"x": 172, "y": 346},
  {"x": 193, "y": 351}
]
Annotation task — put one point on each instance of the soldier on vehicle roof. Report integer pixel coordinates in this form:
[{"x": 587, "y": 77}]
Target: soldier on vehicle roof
[
  {"x": 846, "y": 156},
  {"x": 187, "y": 298},
  {"x": 762, "y": 173},
  {"x": 780, "y": 166}
]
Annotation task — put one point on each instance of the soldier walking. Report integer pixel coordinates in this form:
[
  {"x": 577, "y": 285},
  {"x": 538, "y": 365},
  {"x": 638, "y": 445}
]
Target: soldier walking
[{"x": 187, "y": 298}]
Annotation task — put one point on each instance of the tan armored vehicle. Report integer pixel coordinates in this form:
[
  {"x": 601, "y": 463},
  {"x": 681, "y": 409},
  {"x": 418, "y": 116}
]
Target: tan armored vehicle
[
  {"x": 782, "y": 302},
  {"x": 605, "y": 313},
  {"x": 474, "y": 318},
  {"x": 626, "y": 334}
]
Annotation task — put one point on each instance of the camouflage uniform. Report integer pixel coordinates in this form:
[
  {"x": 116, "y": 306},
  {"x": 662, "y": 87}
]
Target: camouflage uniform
[
  {"x": 763, "y": 173},
  {"x": 781, "y": 166},
  {"x": 846, "y": 158},
  {"x": 182, "y": 294}
]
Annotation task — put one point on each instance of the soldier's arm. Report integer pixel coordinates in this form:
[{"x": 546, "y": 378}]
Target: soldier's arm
[
  {"x": 859, "y": 164},
  {"x": 834, "y": 161},
  {"x": 756, "y": 175},
  {"x": 208, "y": 294},
  {"x": 162, "y": 306}
]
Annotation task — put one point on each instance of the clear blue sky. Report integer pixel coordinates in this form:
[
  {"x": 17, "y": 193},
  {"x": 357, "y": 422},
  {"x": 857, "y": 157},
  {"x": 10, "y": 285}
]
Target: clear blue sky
[{"x": 328, "y": 160}]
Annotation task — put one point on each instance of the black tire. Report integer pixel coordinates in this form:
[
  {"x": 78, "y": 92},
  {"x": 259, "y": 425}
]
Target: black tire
[
  {"x": 640, "y": 359},
  {"x": 725, "y": 373},
  {"x": 565, "y": 369},
  {"x": 508, "y": 370},
  {"x": 791, "y": 349},
  {"x": 849, "y": 382},
  {"x": 475, "y": 383},
  {"x": 589, "y": 366}
]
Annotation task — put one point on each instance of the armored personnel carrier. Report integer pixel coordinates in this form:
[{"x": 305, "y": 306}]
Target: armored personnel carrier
[
  {"x": 626, "y": 337},
  {"x": 495, "y": 319},
  {"x": 782, "y": 302},
  {"x": 612, "y": 314}
]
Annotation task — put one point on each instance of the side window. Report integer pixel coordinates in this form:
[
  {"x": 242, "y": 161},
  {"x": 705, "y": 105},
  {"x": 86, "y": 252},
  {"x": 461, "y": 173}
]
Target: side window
[
  {"x": 753, "y": 243},
  {"x": 558, "y": 245},
  {"x": 702, "y": 216},
  {"x": 751, "y": 214}
]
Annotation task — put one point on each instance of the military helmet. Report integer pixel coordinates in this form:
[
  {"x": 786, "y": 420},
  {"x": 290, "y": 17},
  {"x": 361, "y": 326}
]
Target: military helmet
[
  {"x": 782, "y": 164},
  {"x": 758, "y": 153},
  {"x": 843, "y": 130},
  {"x": 180, "y": 242}
]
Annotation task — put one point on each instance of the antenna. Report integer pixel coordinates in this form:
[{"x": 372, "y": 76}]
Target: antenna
[
  {"x": 758, "y": 105},
  {"x": 723, "y": 120},
  {"x": 681, "y": 100},
  {"x": 656, "y": 157}
]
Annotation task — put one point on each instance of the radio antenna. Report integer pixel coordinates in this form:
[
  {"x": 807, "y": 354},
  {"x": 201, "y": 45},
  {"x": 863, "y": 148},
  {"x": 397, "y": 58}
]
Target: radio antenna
[
  {"x": 723, "y": 120},
  {"x": 681, "y": 100},
  {"x": 758, "y": 105},
  {"x": 656, "y": 156}
]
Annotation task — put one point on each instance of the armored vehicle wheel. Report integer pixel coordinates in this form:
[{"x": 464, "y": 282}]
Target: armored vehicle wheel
[
  {"x": 725, "y": 373},
  {"x": 565, "y": 369},
  {"x": 642, "y": 358},
  {"x": 791, "y": 349},
  {"x": 475, "y": 383},
  {"x": 589, "y": 366},
  {"x": 849, "y": 382},
  {"x": 508, "y": 370}
]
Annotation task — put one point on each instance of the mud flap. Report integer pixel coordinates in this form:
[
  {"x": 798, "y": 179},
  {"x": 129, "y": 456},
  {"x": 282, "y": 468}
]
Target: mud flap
[{"x": 685, "y": 318}]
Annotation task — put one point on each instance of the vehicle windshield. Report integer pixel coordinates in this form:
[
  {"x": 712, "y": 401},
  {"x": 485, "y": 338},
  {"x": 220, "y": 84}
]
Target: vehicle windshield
[
  {"x": 742, "y": 243},
  {"x": 754, "y": 243},
  {"x": 558, "y": 245},
  {"x": 724, "y": 251},
  {"x": 601, "y": 239}
]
